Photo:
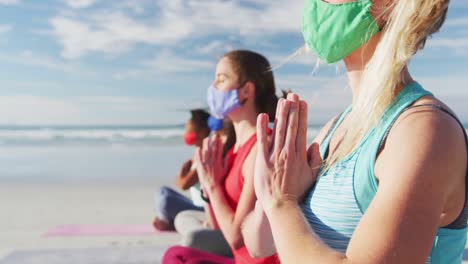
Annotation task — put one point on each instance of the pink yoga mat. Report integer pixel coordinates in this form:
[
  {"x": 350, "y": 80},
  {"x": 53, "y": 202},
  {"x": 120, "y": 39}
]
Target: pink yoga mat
[{"x": 101, "y": 230}]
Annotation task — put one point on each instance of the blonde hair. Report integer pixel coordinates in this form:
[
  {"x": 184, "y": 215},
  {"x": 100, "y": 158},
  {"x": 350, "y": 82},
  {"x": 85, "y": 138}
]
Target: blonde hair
[{"x": 409, "y": 25}]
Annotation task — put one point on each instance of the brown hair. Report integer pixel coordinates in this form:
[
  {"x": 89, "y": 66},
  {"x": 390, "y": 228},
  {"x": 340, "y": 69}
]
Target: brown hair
[
  {"x": 253, "y": 67},
  {"x": 228, "y": 130}
]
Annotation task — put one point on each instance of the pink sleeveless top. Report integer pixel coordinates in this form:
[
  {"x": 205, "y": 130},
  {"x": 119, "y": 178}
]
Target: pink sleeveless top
[{"x": 233, "y": 186}]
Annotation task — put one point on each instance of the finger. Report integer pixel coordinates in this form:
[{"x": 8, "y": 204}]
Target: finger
[
  {"x": 209, "y": 151},
  {"x": 278, "y": 106},
  {"x": 219, "y": 153},
  {"x": 200, "y": 166},
  {"x": 280, "y": 133},
  {"x": 314, "y": 157},
  {"x": 262, "y": 137},
  {"x": 198, "y": 156},
  {"x": 301, "y": 139},
  {"x": 214, "y": 148},
  {"x": 293, "y": 123},
  {"x": 206, "y": 148}
]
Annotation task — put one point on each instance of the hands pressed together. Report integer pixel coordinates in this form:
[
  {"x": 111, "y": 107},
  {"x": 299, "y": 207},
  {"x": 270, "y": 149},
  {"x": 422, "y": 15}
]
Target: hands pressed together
[
  {"x": 284, "y": 169},
  {"x": 211, "y": 167}
]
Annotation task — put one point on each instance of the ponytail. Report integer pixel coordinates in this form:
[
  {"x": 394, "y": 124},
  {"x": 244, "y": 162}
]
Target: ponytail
[{"x": 410, "y": 24}]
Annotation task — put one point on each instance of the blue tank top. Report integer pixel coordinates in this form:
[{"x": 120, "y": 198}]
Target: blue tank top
[{"x": 341, "y": 195}]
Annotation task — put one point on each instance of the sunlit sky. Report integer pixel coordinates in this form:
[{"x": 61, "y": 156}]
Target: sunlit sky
[{"x": 104, "y": 62}]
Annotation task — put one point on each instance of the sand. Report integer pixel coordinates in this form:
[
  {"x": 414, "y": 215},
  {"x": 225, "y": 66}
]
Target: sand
[{"x": 28, "y": 211}]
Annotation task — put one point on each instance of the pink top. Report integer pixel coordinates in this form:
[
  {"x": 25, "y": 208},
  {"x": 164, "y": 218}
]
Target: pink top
[{"x": 233, "y": 186}]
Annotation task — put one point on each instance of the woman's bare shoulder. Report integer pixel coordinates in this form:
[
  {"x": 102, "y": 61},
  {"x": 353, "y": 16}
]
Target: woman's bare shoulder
[{"x": 426, "y": 134}]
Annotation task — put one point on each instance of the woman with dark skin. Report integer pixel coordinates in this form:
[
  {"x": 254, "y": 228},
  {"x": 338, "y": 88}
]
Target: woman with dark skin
[{"x": 169, "y": 202}]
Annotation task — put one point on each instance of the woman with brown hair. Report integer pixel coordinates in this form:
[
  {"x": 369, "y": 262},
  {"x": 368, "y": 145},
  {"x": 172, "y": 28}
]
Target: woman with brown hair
[{"x": 243, "y": 87}]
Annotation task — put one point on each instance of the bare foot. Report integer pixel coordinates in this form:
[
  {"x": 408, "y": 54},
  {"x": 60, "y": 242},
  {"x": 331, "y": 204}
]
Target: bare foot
[{"x": 162, "y": 225}]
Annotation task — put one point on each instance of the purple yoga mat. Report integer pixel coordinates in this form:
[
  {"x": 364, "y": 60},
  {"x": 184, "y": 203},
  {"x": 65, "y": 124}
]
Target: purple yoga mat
[{"x": 101, "y": 230}]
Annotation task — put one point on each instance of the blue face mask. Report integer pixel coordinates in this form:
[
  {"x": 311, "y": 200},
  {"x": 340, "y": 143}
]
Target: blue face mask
[
  {"x": 222, "y": 103},
  {"x": 215, "y": 124}
]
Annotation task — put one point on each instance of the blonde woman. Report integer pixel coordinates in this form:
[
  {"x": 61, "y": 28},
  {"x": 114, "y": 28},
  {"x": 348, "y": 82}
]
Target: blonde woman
[{"x": 385, "y": 181}]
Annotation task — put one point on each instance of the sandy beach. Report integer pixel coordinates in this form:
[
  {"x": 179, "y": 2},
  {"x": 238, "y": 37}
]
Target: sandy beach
[
  {"x": 102, "y": 189},
  {"x": 29, "y": 211},
  {"x": 92, "y": 186},
  {"x": 98, "y": 198}
]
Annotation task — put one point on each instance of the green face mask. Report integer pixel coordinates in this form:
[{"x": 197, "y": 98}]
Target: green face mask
[{"x": 334, "y": 31}]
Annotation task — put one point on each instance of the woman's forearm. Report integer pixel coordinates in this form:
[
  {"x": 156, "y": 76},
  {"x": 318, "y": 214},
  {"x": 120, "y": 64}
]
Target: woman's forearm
[
  {"x": 225, "y": 215},
  {"x": 211, "y": 217},
  {"x": 295, "y": 241},
  {"x": 185, "y": 181},
  {"x": 257, "y": 234}
]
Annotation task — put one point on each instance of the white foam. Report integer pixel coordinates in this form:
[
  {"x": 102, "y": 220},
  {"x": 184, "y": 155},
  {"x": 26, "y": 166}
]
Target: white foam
[
  {"x": 54, "y": 135},
  {"x": 133, "y": 135}
]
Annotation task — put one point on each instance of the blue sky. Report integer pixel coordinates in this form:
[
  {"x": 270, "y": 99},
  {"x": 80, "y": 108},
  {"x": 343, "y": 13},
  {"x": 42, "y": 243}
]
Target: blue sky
[{"x": 147, "y": 61}]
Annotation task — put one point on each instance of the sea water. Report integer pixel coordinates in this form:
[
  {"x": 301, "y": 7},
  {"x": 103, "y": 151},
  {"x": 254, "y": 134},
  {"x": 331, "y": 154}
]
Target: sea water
[{"x": 94, "y": 154}]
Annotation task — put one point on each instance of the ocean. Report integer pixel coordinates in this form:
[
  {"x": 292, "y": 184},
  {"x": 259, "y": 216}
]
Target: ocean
[
  {"x": 94, "y": 154},
  {"x": 90, "y": 135},
  {"x": 96, "y": 135}
]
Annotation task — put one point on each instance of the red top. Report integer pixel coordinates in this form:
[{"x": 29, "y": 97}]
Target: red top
[{"x": 233, "y": 187}]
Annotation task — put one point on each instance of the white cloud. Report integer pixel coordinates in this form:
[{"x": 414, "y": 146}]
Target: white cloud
[
  {"x": 29, "y": 58},
  {"x": 9, "y": 2},
  {"x": 458, "y": 4},
  {"x": 137, "y": 6},
  {"x": 113, "y": 30},
  {"x": 80, "y": 3},
  {"x": 109, "y": 33},
  {"x": 103, "y": 110},
  {"x": 328, "y": 96},
  {"x": 77, "y": 38},
  {"x": 450, "y": 43},
  {"x": 168, "y": 63},
  {"x": 269, "y": 17},
  {"x": 451, "y": 90},
  {"x": 24, "y": 109},
  {"x": 217, "y": 48},
  {"x": 456, "y": 22},
  {"x": 164, "y": 63},
  {"x": 454, "y": 40},
  {"x": 299, "y": 57},
  {"x": 5, "y": 28}
]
